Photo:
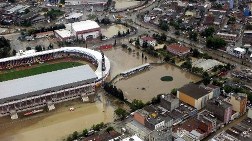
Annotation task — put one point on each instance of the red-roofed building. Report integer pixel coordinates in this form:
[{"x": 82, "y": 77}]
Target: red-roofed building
[
  {"x": 150, "y": 41},
  {"x": 178, "y": 49}
]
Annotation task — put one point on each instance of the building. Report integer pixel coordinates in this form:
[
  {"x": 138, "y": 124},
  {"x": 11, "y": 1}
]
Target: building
[
  {"x": 82, "y": 30},
  {"x": 135, "y": 128},
  {"x": 194, "y": 95},
  {"x": 250, "y": 113},
  {"x": 221, "y": 109},
  {"x": 169, "y": 102},
  {"x": 140, "y": 116},
  {"x": 84, "y": 2},
  {"x": 132, "y": 138},
  {"x": 239, "y": 102},
  {"x": 164, "y": 134},
  {"x": 41, "y": 90},
  {"x": 215, "y": 89},
  {"x": 149, "y": 40},
  {"x": 178, "y": 49},
  {"x": 228, "y": 36},
  {"x": 208, "y": 122}
]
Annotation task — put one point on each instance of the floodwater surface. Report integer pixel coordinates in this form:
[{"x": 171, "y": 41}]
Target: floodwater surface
[
  {"x": 123, "y": 4},
  {"x": 112, "y": 30}
]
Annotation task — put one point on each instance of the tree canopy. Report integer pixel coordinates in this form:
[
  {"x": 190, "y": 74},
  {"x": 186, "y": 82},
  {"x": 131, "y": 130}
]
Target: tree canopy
[
  {"x": 215, "y": 42},
  {"x": 4, "y": 47}
]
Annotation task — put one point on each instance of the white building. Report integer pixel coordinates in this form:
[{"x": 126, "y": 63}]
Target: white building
[
  {"x": 79, "y": 2},
  {"x": 82, "y": 30}
]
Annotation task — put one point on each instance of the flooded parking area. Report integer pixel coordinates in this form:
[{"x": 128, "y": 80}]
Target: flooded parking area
[
  {"x": 58, "y": 124},
  {"x": 112, "y": 30},
  {"x": 123, "y": 4},
  {"x": 146, "y": 85}
]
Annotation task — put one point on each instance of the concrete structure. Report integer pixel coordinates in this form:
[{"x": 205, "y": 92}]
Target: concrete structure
[
  {"x": 239, "y": 102},
  {"x": 132, "y": 138},
  {"x": 82, "y": 30},
  {"x": 18, "y": 96},
  {"x": 214, "y": 89},
  {"x": 208, "y": 122},
  {"x": 135, "y": 128},
  {"x": 164, "y": 134},
  {"x": 228, "y": 37},
  {"x": 178, "y": 49},
  {"x": 194, "y": 95},
  {"x": 206, "y": 64},
  {"x": 169, "y": 102},
  {"x": 221, "y": 109},
  {"x": 149, "y": 40}
]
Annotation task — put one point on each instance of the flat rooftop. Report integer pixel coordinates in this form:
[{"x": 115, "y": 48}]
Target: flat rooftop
[
  {"x": 193, "y": 90},
  {"x": 44, "y": 82}
]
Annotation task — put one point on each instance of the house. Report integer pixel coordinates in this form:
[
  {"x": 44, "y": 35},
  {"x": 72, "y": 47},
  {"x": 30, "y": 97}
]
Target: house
[
  {"x": 239, "y": 102},
  {"x": 194, "y": 95},
  {"x": 178, "y": 49},
  {"x": 149, "y": 40}
]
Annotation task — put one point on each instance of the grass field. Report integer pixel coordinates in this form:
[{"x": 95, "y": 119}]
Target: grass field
[{"x": 41, "y": 68}]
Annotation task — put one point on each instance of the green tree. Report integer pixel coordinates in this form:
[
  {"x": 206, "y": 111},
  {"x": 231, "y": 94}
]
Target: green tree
[
  {"x": 38, "y": 48},
  {"x": 137, "y": 43},
  {"x": 136, "y": 104},
  {"x": 69, "y": 138},
  {"x": 109, "y": 129},
  {"x": 14, "y": 52},
  {"x": 120, "y": 113},
  {"x": 187, "y": 64},
  {"x": 84, "y": 132},
  {"x": 163, "y": 25},
  {"x": 195, "y": 53},
  {"x": 174, "y": 91},
  {"x": 208, "y": 32},
  {"x": 193, "y": 36},
  {"x": 119, "y": 34},
  {"x": 28, "y": 48},
  {"x": 215, "y": 42},
  {"x": 4, "y": 47},
  {"x": 206, "y": 78},
  {"x": 75, "y": 135}
]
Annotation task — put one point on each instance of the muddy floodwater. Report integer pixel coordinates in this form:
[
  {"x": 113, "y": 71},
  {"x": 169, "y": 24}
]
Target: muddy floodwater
[
  {"x": 146, "y": 85},
  {"x": 58, "y": 124},
  {"x": 123, "y": 4},
  {"x": 112, "y": 30},
  {"x": 2, "y": 30}
]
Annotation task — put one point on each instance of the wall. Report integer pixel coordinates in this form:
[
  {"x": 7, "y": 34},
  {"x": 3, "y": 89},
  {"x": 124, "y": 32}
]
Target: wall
[
  {"x": 185, "y": 98},
  {"x": 139, "y": 118}
]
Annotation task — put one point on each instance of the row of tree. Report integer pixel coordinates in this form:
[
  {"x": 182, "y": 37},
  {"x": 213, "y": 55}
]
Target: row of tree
[
  {"x": 111, "y": 89},
  {"x": 4, "y": 47}
]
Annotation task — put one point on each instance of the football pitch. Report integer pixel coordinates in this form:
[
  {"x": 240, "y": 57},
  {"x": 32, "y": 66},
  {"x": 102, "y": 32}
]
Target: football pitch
[{"x": 41, "y": 68}]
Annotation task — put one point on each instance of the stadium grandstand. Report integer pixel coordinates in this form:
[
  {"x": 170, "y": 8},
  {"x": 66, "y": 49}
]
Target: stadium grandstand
[{"x": 47, "y": 89}]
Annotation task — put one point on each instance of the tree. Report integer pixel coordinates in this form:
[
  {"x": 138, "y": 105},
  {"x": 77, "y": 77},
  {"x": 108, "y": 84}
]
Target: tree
[
  {"x": 215, "y": 42},
  {"x": 14, "y": 52},
  {"x": 174, "y": 91},
  {"x": 26, "y": 11},
  {"x": 136, "y": 104},
  {"x": 119, "y": 34},
  {"x": 195, "y": 53},
  {"x": 208, "y": 32},
  {"x": 28, "y": 48},
  {"x": 163, "y": 25},
  {"x": 206, "y": 78},
  {"x": 69, "y": 138},
  {"x": 115, "y": 43},
  {"x": 84, "y": 132},
  {"x": 4, "y": 47},
  {"x": 187, "y": 64},
  {"x": 62, "y": 1},
  {"x": 137, "y": 43},
  {"x": 38, "y": 48},
  {"x": 193, "y": 36},
  {"x": 74, "y": 135},
  {"x": 50, "y": 46},
  {"x": 109, "y": 129},
  {"x": 120, "y": 113}
]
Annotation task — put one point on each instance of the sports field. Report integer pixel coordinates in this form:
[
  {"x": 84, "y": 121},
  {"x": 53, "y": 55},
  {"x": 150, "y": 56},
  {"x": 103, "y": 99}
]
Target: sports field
[{"x": 41, "y": 68}]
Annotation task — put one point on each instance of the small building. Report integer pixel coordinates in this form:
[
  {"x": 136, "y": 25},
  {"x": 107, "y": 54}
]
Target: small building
[
  {"x": 169, "y": 102},
  {"x": 221, "y": 109},
  {"x": 178, "y": 49},
  {"x": 149, "y": 40},
  {"x": 140, "y": 116},
  {"x": 239, "y": 102},
  {"x": 227, "y": 36},
  {"x": 239, "y": 52},
  {"x": 215, "y": 89},
  {"x": 194, "y": 95}
]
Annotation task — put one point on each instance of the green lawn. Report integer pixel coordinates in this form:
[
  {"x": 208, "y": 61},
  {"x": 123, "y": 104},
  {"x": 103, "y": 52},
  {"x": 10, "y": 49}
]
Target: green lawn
[{"x": 41, "y": 68}]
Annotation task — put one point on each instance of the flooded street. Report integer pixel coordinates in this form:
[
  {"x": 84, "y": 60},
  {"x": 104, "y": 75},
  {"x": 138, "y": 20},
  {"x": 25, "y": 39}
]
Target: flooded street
[
  {"x": 58, "y": 124},
  {"x": 146, "y": 85},
  {"x": 122, "y": 4},
  {"x": 112, "y": 30}
]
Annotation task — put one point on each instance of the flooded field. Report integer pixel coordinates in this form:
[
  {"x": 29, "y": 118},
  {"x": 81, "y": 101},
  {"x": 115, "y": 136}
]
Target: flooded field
[
  {"x": 58, "y": 124},
  {"x": 123, "y": 4},
  {"x": 146, "y": 85},
  {"x": 112, "y": 30},
  {"x": 121, "y": 60}
]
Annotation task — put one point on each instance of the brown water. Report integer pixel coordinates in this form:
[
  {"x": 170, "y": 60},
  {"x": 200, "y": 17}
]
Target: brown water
[
  {"x": 150, "y": 81},
  {"x": 56, "y": 125},
  {"x": 122, "y": 4},
  {"x": 113, "y": 30}
]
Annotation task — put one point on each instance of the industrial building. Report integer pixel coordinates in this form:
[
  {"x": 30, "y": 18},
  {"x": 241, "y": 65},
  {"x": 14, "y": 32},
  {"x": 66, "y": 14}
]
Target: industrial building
[
  {"x": 194, "y": 95},
  {"x": 82, "y": 30}
]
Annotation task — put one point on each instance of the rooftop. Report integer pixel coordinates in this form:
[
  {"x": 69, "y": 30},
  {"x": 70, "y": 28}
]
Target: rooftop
[
  {"x": 147, "y": 38},
  {"x": 43, "y": 82},
  {"x": 64, "y": 33},
  {"x": 178, "y": 48},
  {"x": 219, "y": 103},
  {"x": 193, "y": 90},
  {"x": 83, "y": 25}
]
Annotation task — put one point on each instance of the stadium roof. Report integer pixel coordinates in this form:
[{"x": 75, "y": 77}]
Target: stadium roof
[{"x": 46, "y": 81}]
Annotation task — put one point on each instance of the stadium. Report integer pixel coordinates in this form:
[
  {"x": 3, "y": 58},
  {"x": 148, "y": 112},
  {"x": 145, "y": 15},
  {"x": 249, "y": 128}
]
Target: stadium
[{"x": 46, "y": 89}]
